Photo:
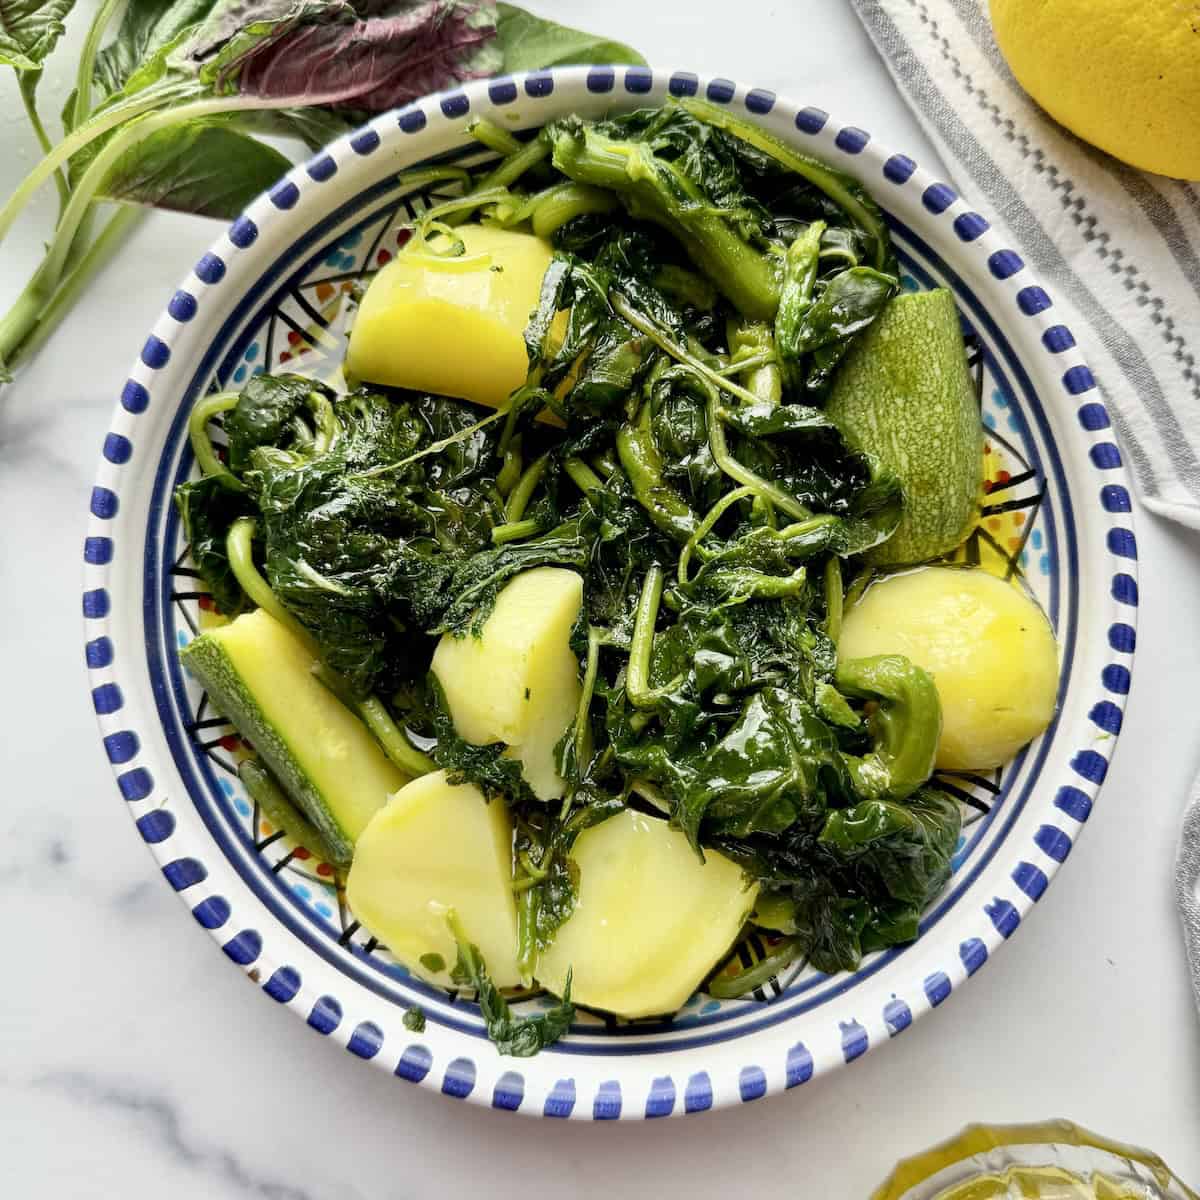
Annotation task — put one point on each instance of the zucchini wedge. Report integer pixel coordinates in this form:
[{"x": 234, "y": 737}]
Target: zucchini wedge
[{"x": 260, "y": 677}]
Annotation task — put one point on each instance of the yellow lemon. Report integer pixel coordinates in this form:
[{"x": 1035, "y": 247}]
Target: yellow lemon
[{"x": 1122, "y": 74}]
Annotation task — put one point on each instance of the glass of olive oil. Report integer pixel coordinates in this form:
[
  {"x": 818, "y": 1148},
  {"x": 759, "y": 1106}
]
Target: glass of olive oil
[{"x": 1052, "y": 1160}]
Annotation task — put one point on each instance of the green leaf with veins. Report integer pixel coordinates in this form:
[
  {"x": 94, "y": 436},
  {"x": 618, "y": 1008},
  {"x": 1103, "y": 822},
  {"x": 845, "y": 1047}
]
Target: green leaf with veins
[
  {"x": 315, "y": 127},
  {"x": 202, "y": 167},
  {"x": 908, "y": 844},
  {"x": 29, "y": 30},
  {"x": 327, "y": 52},
  {"x": 147, "y": 28},
  {"x": 498, "y": 777},
  {"x": 528, "y": 43}
]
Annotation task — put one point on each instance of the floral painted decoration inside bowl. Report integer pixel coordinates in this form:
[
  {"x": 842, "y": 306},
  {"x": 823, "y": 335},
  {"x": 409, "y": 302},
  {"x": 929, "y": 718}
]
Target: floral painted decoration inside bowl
[{"x": 277, "y": 293}]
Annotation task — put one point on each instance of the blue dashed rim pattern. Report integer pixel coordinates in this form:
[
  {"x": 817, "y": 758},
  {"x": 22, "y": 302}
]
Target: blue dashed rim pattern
[{"x": 672, "y": 1080}]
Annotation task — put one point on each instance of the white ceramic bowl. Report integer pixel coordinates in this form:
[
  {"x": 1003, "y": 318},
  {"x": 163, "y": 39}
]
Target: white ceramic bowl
[{"x": 270, "y": 294}]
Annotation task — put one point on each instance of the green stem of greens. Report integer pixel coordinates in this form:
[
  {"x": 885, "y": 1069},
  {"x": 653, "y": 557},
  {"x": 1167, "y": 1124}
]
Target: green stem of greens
[
  {"x": 654, "y": 189},
  {"x": 459, "y": 206},
  {"x": 805, "y": 538},
  {"x": 510, "y": 469},
  {"x": 741, "y": 473},
  {"x": 509, "y": 435},
  {"x": 497, "y": 182},
  {"x": 705, "y": 527},
  {"x": 755, "y": 358},
  {"x": 582, "y": 726},
  {"x": 833, "y": 598},
  {"x": 527, "y": 950},
  {"x": 642, "y": 463},
  {"x": 375, "y": 716},
  {"x": 800, "y": 266},
  {"x": 325, "y": 422},
  {"x": 23, "y": 316},
  {"x": 652, "y": 794},
  {"x": 535, "y": 872},
  {"x": 48, "y": 316},
  {"x": 762, "y": 512},
  {"x": 239, "y": 548},
  {"x": 605, "y": 463},
  {"x": 905, "y": 724},
  {"x": 280, "y": 811},
  {"x": 519, "y": 497},
  {"x": 416, "y": 180},
  {"x": 96, "y": 127},
  {"x": 858, "y": 585},
  {"x": 647, "y": 325},
  {"x": 637, "y": 673},
  {"x": 729, "y": 987},
  {"x": 389, "y": 735},
  {"x": 751, "y": 362},
  {"x": 510, "y": 169},
  {"x": 584, "y": 478},
  {"x": 558, "y": 205},
  {"x": 87, "y": 61},
  {"x": 493, "y": 136},
  {"x": 27, "y": 82},
  {"x": 514, "y": 531},
  {"x": 838, "y": 187},
  {"x": 206, "y": 456}
]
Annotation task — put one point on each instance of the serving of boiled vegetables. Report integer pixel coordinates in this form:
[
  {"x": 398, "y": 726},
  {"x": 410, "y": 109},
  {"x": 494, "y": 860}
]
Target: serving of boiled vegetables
[{"x": 607, "y": 618}]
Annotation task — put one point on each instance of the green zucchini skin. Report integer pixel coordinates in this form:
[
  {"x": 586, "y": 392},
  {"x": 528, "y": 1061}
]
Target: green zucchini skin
[
  {"x": 207, "y": 660},
  {"x": 905, "y": 396},
  {"x": 327, "y": 762}
]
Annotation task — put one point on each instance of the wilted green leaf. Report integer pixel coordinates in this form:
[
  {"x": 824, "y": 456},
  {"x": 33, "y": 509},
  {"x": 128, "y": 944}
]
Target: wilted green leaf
[
  {"x": 29, "y": 30},
  {"x": 529, "y": 43}
]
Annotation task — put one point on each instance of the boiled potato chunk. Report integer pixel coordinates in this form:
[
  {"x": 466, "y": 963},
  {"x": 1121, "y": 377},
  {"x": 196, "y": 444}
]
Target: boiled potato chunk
[
  {"x": 988, "y": 646},
  {"x": 651, "y": 919},
  {"x": 455, "y": 326},
  {"x": 435, "y": 846},
  {"x": 518, "y": 682}
]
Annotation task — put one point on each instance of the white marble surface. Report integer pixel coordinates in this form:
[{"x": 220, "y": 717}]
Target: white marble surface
[{"x": 134, "y": 1060}]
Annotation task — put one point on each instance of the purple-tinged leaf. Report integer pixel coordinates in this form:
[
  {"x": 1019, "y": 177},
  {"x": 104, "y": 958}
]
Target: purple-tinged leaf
[{"x": 325, "y": 52}]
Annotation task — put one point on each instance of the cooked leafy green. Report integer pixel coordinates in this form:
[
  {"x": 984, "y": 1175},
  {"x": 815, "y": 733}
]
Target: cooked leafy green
[
  {"x": 695, "y": 483},
  {"x": 521, "y": 1037},
  {"x": 547, "y": 876},
  {"x": 779, "y": 234},
  {"x": 207, "y": 509}
]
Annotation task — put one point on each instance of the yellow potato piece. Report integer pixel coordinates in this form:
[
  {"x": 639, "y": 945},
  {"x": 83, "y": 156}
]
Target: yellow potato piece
[
  {"x": 988, "y": 646},
  {"x": 454, "y": 326},
  {"x": 518, "y": 682},
  {"x": 650, "y": 922},
  {"x": 433, "y": 847}
]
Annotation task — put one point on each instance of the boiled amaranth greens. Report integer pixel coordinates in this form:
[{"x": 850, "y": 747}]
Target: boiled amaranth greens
[{"x": 713, "y": 280}]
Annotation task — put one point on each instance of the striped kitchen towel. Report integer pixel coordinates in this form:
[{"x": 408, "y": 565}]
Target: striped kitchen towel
[{"x": 1119, "y": 246}]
